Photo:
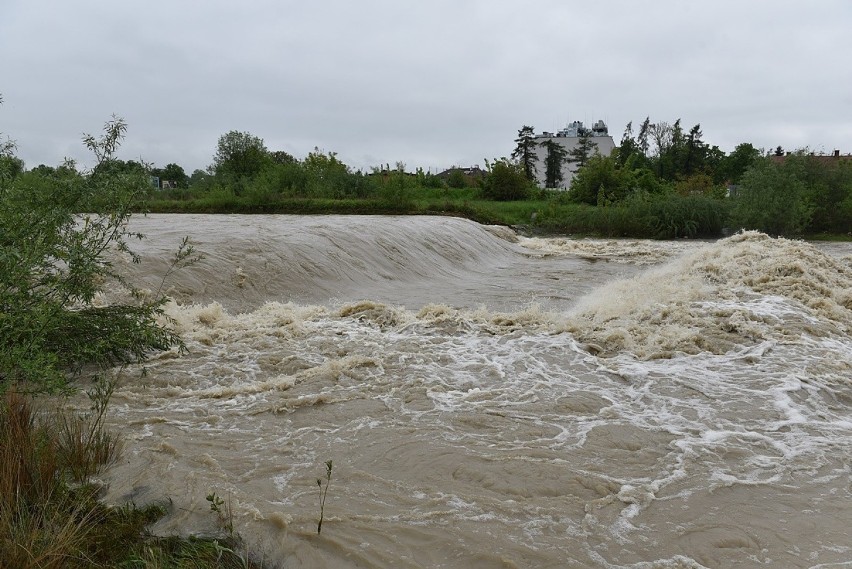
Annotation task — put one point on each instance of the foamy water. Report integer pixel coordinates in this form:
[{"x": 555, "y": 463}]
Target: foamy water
[{"x": 490, "y": 401}]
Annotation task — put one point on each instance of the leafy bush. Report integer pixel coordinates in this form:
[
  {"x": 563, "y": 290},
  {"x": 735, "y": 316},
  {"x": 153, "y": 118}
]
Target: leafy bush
[
  {"x": 639, "y": 215},
  {"x": 689, "y": 216},
  {"x": 828, "y": 191},
  {"x": 599, "y": 182},
  {"x": 505, "y": 181},
  {"x": 584, "y": 219},
  {"x": 772, "y": 198},
  {"x": 457, "y": 179},
  {"x": 60, "y": 234}
]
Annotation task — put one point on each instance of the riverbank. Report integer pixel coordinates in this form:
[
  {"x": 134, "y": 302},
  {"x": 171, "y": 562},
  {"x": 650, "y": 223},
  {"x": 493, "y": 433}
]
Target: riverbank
[
  {"x": 544, "y": 217},
  {"x": 51, "y": 513}
]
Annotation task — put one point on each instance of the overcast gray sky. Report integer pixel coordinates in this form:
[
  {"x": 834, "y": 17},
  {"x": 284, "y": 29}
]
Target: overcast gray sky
[{"x": 431, "y": 84}]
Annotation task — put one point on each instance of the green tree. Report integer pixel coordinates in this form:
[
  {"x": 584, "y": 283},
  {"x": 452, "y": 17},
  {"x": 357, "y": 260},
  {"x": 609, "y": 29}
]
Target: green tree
[
  {"x": 698, "y": 185},
  {"x": 199, "y": 177},
  {"x": 457, "y": 179},
  {"x": 695, "y": 152},
  {"x": 524, "y": 151},
  {"x": 583, "y": 150},
  {"x": 109, "y": 167},
  {"x": 505, "y": 181},
  {"x": 58, "y": 233},
  {"x": 734, "y": 165},
  {"x": 173, "y": 173},
  {"x": 600, "y": 182},
  {"x": 240, "y": 155},
  {"x": 631, "y": 153},
  {"x": 11, "y": 166},
  {"x": 627, "y": 148},
  {"x": 44, "y": 170},
  {"x": 660, "y": 134},
  {"x": 642, "y": 138},
  {"x": 828, "y": 190},
  {"x": 772, "y": 198},
  {"x": 555, "y": 158},
  {"x": 281, "y": 157},
  {"x": 66, "y": 170},
  {"x": 327, "y": 176}
]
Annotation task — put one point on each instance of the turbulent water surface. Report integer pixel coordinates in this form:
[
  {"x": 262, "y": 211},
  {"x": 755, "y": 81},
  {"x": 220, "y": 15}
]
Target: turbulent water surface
[{"x": 495, "y": 401}]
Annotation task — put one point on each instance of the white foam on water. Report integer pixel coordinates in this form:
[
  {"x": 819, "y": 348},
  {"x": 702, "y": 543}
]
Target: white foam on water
[
  {"x": 741, "y": 289},
  {"x": 627, "y": 251},
  {"x": 684, "y": 417}
]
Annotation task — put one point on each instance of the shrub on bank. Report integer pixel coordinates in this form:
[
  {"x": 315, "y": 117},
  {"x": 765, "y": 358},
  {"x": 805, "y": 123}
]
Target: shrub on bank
[
  {"x": 658, "y": 217},
  {"x": 60, "y": 234},
  {"x": 670, "y": 217}
]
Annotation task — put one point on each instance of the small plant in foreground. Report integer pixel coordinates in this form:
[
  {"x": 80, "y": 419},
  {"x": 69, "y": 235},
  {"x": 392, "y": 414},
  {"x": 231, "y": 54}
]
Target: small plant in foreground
[
  {"x": 223, "y": 511},
  {"x": 323, "y": 493}
]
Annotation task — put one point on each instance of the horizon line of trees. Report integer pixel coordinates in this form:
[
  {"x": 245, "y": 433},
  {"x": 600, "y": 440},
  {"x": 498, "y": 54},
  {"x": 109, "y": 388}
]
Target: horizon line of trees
[
  {"x": 774, "y": 191},
  {"x": 781, "y": 193}
]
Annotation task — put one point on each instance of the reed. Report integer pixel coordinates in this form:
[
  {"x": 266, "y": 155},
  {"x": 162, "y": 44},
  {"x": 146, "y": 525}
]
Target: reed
[
  {"x": 50, "y": 515},
  {"x": 43, "y": 521},
  {"x": 323, "y": 493}
]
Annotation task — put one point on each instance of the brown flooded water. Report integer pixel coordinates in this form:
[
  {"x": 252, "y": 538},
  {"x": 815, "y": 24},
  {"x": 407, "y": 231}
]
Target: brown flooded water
[{"x": 495, "y": 401}]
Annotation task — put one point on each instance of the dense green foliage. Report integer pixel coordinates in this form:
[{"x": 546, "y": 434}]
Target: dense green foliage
[
  {"x": 667, "y": 180},
  {"x": 60, "y": 233},
  {"x": 524, "y": 152},
  {"x": 771, "y": 199},
  {"x": 670, "y": 169},
  {"x": 662, "y": 183},
  {"x": 554, "y": 158},
  {"x": 654, "y": 217},
  {"x": 801, "y": 194},
  {"x": 584, "y": 149},
  {"x": 506, "y": 181},
  {"x": 239, "y": 155}
]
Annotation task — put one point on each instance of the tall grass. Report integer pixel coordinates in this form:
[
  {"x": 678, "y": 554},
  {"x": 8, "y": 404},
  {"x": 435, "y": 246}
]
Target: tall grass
[
  {"x": 660, "y": 217},
  {"x": 44, "y": 521},
  {"x": 50, "y": 516}
]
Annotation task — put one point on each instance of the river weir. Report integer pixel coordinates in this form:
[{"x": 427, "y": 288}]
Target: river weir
[{"x": 495, "y": 401}]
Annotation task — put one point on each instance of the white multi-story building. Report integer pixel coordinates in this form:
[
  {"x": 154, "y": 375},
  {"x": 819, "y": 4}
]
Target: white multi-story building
[{"x": 568, "y": 138}]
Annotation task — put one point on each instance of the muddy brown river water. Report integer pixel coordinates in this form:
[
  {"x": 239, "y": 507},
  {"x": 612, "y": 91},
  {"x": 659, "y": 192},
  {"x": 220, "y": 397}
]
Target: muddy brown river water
[{"x": 490, "y": 400}]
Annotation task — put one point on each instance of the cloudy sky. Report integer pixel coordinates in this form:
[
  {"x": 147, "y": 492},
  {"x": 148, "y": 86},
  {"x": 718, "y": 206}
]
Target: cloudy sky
[{"x": 430, "y": 83}]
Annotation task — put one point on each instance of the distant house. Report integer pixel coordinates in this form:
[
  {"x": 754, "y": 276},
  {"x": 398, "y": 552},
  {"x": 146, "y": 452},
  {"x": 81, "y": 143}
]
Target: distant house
[
  {"x": 826, "y": 159},
  {"x": 161, "y": 184},
  {"x": 569, "y": 138},
  {"x": 470, "y": 171},
  {"x": 384, "y": 174}
]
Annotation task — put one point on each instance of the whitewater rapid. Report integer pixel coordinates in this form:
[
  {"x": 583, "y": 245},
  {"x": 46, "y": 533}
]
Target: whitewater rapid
[{"x": 490, "y": 400}]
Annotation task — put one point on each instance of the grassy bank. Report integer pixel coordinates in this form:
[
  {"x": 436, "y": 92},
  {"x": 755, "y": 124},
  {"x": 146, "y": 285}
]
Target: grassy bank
[
  {"x": 50, "y": 514},
  {"x": 547, "y": 213},
  {"x": 661, "y": 217},
  {"x": 479, "y": 210}
]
